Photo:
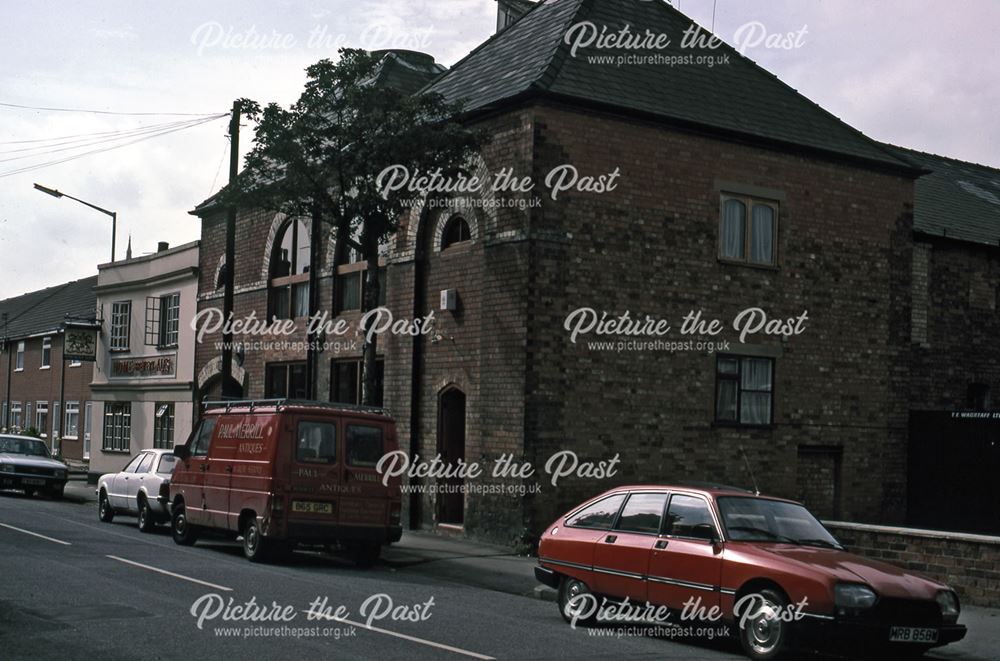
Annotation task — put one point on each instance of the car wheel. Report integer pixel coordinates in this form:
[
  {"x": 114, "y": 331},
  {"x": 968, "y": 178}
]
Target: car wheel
[
  {"x": 364, "y": 554},
  {"x": 184, "y": 533},
  {"x": 576, "y": 602},
  {"x": 29, "y": 492},
  {"x": 104, "y": 511},
  {"x": 764, "y": 635},
  {"x": 256, "y": 547},
  {"x": 146, "y": 520}
]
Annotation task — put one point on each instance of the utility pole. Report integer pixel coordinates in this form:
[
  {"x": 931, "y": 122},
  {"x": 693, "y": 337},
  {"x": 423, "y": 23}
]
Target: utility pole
[{"x": 230, "y": 389}]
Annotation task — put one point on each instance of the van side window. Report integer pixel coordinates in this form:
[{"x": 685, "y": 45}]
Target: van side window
[
  {"x": 317, "y": 443},
  {"x": 364, "y": 446},
  {"x": 203, "y": 438}
]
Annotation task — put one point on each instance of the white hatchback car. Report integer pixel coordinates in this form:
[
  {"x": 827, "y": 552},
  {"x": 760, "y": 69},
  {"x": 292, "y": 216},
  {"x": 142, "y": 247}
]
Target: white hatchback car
[{"x": 141, "y": 488}]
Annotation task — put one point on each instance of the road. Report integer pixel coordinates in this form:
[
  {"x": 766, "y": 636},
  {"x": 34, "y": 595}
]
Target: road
[{"x": 74, "y": 588}]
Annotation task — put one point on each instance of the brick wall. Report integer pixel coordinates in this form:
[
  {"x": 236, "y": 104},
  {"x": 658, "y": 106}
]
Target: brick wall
[{"x": 970, "y": 564}]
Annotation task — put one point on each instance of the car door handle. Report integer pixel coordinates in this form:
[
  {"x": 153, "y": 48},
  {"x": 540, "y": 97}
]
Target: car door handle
[
  {"x": 610, "y": 539},
  {"x": 229, "y": 469},
  {"x": 660, "y": 544}
]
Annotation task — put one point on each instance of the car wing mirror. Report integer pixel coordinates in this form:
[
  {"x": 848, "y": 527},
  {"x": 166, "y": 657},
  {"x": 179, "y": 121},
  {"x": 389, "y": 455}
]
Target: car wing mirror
[
  {"x": 182, "y": 452},
  {"x": 706, "y": 531}
]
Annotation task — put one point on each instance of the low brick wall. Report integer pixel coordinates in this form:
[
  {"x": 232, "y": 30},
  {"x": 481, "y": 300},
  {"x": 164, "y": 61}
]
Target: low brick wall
[{"x": 968, "y": 563}]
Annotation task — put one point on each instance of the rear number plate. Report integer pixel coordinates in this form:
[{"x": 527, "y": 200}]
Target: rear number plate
[
  {"x": 311, "y": 507},
  {"x": 34, "y": 481},
  {"x": 912, "y": 635}
]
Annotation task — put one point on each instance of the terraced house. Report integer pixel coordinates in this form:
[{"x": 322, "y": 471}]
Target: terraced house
[{"x": 730, "y": 191}]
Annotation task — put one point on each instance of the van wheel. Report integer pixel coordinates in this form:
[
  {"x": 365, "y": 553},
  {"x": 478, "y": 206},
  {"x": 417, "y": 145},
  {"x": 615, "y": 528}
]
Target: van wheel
[
  {"x": 184, "y": 533},
  {"x": 256, "y": 547},
  {"x": 764, "y": 635},
  {"x": 56, "y": 492},
  {"x": 146, "y": 520},
  {"x": 104, "y": 511},
  {"x": 364, "y": 554},
  {"x": 576, "y": 602}
]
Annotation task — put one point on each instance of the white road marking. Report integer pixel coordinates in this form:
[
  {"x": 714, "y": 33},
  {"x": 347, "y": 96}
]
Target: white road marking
[
  {"x": 170, "y": 573},
  {"x": 414, "y": 639},
  {"x": 35, "y": 534}
]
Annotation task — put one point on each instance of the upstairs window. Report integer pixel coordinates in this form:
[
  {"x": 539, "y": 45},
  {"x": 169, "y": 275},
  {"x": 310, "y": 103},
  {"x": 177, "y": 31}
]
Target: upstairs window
[
  {"x": 163, "y": 315},
  {"x": 121, "y": 319},
  {"x": 456, "y": 231},
  {"x": 19, "y": 357},
  {"x": 290, "y": 266},
  {"x": 46, "y": 353},
  {"x": 748, "y": 230}
]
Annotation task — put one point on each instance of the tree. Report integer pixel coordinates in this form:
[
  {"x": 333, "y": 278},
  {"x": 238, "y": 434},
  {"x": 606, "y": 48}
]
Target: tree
[{"x": 322, "y": 158}]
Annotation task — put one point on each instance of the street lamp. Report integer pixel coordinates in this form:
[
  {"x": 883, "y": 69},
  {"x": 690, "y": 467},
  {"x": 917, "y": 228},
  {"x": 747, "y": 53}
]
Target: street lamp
[{"x": 114, "y": 215}]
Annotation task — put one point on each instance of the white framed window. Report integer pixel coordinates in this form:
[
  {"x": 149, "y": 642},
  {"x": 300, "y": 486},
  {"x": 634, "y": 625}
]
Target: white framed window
[
  {"x": 72, "y": 420},
  {"x": 121, "y": 319},
  {"x": 56, "y": 420},
  {"x": 46, "y": 353},
  {"x": 19, "y": 357},
  {"x": 163, "y": 426},
  {"x": 75, "y": 363},
  {"x": 117, "y": 426},
  {"x": 42, "y": 418},
  {"x": 163, "y": 315},
  {"x": 15, "y": 415}
]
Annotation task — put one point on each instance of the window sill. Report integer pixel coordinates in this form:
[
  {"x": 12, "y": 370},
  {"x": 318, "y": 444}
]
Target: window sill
[
  {"x": 722, "y": 424},
  {"x": 112, "y": 451},
  {"x": 70, "y": 438},
  {"x": 125, "y": 350},
  {"x": 18, "y": 369},
  {"x": 76, "y": 364},
  {"x": 45, "y": 367},
  {"x": 752, "y": 265}
]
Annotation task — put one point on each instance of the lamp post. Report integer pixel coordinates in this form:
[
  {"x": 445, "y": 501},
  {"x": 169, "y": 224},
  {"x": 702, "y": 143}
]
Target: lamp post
[{"x": 114, "y": 215}]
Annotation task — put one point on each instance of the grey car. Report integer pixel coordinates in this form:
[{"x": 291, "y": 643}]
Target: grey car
[
  {"x": 141, "y": 488},
  {"x": 27, "y": 464}
]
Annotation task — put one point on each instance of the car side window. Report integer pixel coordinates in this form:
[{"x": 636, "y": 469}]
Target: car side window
[
  {"x": 132, "y": 465},
  {"x": 642, "y": 513},
  {"x": 203, "y": 438},
  {"x": 317, "y": 442},
  {"x": 146, "y": 463},
  {"x": 600, "y": 515},
  {"x": 689, "y": 516}
]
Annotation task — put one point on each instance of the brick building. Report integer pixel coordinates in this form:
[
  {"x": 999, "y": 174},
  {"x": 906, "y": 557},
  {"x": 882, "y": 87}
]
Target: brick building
[
  {"x": 732, "y": 192},
  {"x": 38, "y": 389}
]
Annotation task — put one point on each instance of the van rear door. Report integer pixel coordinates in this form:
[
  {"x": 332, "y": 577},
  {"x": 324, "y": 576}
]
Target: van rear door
[
  {"x": 366, "y": 501},
  {"x": 315, "y": 471}
]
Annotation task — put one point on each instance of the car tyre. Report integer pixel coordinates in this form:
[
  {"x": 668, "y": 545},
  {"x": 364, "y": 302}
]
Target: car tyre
[
  {"x": 571, "y": 589},
  {"x": 764, "y": 636},
  {"x": 184, "y": 533},
  {"x": 256, "y": 547},
  {"x": 56, "y": 492},
  {"x": 29, "y": 492},
  {"x": 104, "y": 510},
  {"x": 146, "y": 520}
]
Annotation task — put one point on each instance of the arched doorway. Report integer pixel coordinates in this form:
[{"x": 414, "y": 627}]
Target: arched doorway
[{"x": 451, "y": 446}]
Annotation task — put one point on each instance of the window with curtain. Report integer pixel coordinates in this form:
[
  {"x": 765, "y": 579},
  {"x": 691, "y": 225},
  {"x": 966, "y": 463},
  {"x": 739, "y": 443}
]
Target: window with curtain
[
  {"x": 748, "y": 230},
  {"x": 290, "y": 265},
  {"x": 744, "y": 390}
]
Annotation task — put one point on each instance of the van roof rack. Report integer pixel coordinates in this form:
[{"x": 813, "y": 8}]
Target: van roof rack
[{"x": 280, "y": 403}]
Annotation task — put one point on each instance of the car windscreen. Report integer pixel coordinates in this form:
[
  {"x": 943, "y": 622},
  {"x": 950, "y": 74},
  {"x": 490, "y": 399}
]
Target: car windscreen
[
  {"x": 166, "y": 465},
  {"x": 28, "y": 446},
  {"x": 762, "y": 520}
]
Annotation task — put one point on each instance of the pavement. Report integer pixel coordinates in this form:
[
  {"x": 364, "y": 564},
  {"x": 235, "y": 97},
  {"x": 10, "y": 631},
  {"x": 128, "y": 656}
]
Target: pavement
[{"x": 486, "y": 602}]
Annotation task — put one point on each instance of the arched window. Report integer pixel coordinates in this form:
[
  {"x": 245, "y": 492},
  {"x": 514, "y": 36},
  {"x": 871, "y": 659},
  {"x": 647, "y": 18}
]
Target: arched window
[
  {"x": 220, "y": 277},
  {"x": 456, "y": 230},
  {"x": 289, "y": 271}
]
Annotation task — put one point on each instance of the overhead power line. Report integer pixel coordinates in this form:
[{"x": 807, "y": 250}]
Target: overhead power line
[{"x": 107, "y": 112}]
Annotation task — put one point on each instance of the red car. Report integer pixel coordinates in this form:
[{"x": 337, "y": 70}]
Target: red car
[{"x": 769, "y": 568}]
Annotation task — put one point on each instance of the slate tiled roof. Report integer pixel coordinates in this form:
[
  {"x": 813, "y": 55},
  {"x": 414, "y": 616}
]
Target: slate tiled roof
[
  {"x": 739, "y": 98},
  {"x": 957, "y": 199},
  {"x": 44, "y": 310}
]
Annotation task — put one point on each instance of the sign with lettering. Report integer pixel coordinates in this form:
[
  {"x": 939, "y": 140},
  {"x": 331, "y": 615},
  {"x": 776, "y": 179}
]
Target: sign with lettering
[{"x": 153, "y": 366}]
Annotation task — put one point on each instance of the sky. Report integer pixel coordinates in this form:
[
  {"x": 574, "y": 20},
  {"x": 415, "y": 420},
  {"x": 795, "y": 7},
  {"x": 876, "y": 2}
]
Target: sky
[{"x": 911, "y": 72}]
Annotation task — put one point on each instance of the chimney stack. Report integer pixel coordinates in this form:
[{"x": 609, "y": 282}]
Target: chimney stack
[{"x": 162, "y": 245}]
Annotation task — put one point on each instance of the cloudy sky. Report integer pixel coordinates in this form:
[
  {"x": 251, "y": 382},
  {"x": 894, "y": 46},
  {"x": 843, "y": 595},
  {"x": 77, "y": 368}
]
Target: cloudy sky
[{"x": 911, "y": 72}]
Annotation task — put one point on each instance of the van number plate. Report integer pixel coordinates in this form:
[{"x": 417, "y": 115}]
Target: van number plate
[
  {"x": 311, "y": 507},
  {"x": 912, "y": 635}
]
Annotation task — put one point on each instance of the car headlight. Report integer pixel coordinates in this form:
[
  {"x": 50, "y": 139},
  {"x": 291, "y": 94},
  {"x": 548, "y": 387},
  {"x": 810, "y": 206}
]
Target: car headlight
[
  {"x": 948, "y": 602},
  {"x": 60, "y": 474},
  {"x": 854, "y": 596},
  {"x": 6, "y": 468}
]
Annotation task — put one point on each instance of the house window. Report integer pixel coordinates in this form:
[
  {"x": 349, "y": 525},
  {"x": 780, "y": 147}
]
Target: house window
[
  {"x": 3, "y": 418},
  {"x": 42, "y": 417},
  {"x": 121, "y": 318},
  {"x": 15, "y": 415},
  {"x": 346, "y": 384},
  {"x": 117, "y": 426},
  {"x": 977, "y": 397},
  {"x": 748, "y": 230},
  {"x": 72, "y": 419},
  {"x": 744, "y": 390},
  {"x": 285, "y": 380},
  {"x": 163, "y": 320},
  {"x": 46, "y": 353},
  {"x": 290, "y": 265},
  {"x": 19, "y": 357},
  {"x": 55, "y": 419},
  {"x": 455, "y": 231},
  {"x": 163, "y": 426}
]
